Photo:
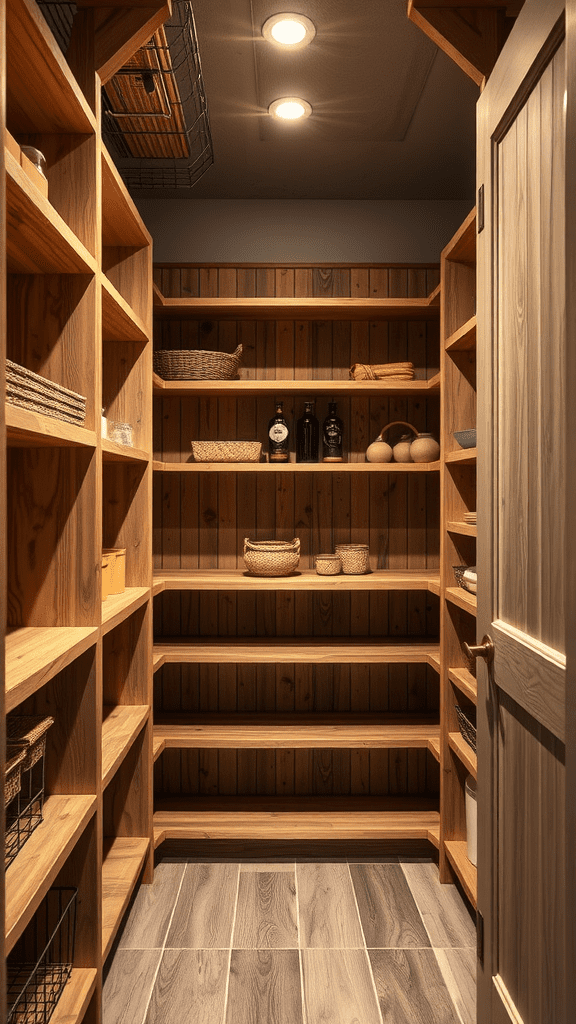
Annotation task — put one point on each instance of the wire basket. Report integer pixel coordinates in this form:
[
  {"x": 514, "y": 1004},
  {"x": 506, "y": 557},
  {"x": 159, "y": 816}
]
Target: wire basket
[
  {"x": 226, "y": 451},
  {"x": 196, "y": 364},
  {"x": 15, "y": 755},
  {"x": 41, "y": 962},
  {"x": 25, "y": 810},
  {"x": 467, "y": 724},
  {"x": 271, "y": 557}
]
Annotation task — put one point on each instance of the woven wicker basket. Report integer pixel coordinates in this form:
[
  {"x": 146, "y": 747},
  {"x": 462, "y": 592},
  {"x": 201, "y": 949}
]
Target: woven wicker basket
[
  {"x": 355, "y": 558},
  {"x": 29, "y": 390},
  {"x": 467, "y": 727},
  {"x": 30, "y": 731},
  {"x": 271, "y": 557},
  {"x": 382, "y": 371},
  {"x": 15, "y": 756},
  {"x": 226, "y": 451},
  {"x": 466, "y": 585},
  {"x": 196, "y": 364}
]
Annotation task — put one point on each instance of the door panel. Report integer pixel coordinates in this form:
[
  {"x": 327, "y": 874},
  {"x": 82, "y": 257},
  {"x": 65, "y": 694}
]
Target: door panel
[{"x": 521, "y": 553}]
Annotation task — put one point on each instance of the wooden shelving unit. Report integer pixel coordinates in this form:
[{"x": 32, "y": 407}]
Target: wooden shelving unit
[
  {"x": 458, "y": 544},
  {"x": 79, "y": 313},
  {"x": 280, "y": 689}
]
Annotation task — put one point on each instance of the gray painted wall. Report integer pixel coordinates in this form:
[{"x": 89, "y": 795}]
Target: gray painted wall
[{"x": 189, "y": 230}]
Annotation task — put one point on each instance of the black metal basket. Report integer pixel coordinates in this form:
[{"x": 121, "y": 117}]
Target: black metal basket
[
  {"x": 26, "y": 810},
  {"x": 41, "y": 962},
  {"x": 467, "y": 723}
]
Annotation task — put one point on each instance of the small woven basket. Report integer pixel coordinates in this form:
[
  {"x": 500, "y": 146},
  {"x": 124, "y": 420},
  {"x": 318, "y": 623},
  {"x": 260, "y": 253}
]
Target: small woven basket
[
  {"x": 355, "y": 558},
  {"x": 196, "y": 364},
  {"x": 459, "y": 571},
  {"x": 15, "y": 757},
  {"x": 271, "y": 557},
  {"x": 30, "y": 731},
  {"x": 467, "y": 725},
  {"x": 226, "y": 451},
  {"x": 328, "y": 564}
]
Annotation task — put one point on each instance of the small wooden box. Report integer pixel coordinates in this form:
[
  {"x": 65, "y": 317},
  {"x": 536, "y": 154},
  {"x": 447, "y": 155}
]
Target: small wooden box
[
  {"x": 117, "y": 563},
  {"x": 105, "y": 576},
  {"x": 34, "y": 174}
]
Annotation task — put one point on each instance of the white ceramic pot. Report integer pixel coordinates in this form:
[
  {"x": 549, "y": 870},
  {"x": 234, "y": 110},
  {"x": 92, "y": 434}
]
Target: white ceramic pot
[{"x": 424, "y": 449}]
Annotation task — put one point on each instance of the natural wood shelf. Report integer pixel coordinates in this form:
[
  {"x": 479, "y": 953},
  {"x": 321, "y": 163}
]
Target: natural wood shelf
[
  {"x": 464, "y": 752},
  {"x": 35, "y": 654},
  {"x": 434, "y": 297},
  {"x": 121, "y": 222},
  {"x": 465, "y": 456},
  {"x": 296, "y": 732},
  {"x": 283, "y": 821},
  {"x": 462, "y": 246},
  {"x": 464, "y": 338},
  {"x": 114, "y": 452},
  {"x": 27, "y": 429},
  {"x": 434, "y": 661},
  {"x": 37, "y": 864},
  {"x": 465, "y": 870},
  {"x": 301, "y": 650},
  {"x": 39, "y": 77},
  {"x": 119, "y": 321},
  {"x": 73, "y": 1002},
  {"x": 122, "y": 862},
  {"x": 38, "y": 240},
  {"x": 255, "y": 388},
  {"x": 465, "y": 682},
  {"x": 118, "y": 607},
  {"x": 462, "y": 599},
  {"x": 306, "y": 579},
  {"x": 465, "y": 529},
  {"x": 434, "y": 585},
  {"x": 434, "y": 748},
  {"x": 296, "y": 467},
  {"x": 297, "y": 309},
  {"x": 120, "y": 726}
]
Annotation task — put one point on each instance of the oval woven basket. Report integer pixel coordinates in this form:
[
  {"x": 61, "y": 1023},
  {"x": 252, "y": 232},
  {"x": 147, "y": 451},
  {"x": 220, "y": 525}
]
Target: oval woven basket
[
  {"x": 196, "y": 364},
  {"x": 271, "y": 557},
  {"x": 226, "y": 451}
]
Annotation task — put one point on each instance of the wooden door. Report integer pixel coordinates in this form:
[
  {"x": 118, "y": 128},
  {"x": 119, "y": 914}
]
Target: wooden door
[{"x": 521, "y": 550}]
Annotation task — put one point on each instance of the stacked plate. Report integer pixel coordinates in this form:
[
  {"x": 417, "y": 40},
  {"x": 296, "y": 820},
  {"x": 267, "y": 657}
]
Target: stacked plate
[
  {"x": 470, "y": 518},
  {"x": 30, "y": 391}
]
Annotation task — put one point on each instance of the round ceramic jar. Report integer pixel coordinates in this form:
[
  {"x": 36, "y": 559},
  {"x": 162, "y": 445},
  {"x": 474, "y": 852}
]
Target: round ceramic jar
[
  {"x": 355, "y": 558},
  {"x": 401, "y": 450},
  {"x": 328, "y": 565},
  {"x": 424, "y": 449}
]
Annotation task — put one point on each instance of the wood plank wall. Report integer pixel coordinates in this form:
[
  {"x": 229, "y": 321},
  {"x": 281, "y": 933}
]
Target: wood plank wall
[{"x": 202, "y": 521}]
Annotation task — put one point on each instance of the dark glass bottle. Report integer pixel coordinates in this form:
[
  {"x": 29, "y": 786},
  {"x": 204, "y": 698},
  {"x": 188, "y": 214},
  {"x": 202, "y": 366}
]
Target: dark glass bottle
[
  {"x": 278, "y": 436},
  {"x": 307, "y": 435},
  {"x": 332, "y": 431}
]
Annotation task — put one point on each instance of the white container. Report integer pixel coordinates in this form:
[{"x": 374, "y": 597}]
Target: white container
[{"x": 471, "y": 819}]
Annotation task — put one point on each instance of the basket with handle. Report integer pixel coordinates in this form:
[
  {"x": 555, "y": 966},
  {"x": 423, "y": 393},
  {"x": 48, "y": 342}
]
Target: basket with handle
[
  {"x": 196, "y": 364},
  {"x": 271, "y": 557}
]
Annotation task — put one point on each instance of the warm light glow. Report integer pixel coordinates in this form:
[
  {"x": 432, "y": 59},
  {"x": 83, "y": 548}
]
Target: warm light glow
[
  {"x": 290, "y": 30},
  {"x": 290, "y": 108}
]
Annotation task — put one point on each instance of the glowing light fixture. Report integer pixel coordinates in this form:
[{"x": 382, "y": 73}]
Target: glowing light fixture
[
  {"x": 290, "y": 30},
  {"x": 290, "y": 108}
]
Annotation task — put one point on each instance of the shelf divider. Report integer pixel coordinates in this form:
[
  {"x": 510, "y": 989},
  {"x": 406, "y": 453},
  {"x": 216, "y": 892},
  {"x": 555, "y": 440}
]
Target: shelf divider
[{"x": 122, "y": 862}]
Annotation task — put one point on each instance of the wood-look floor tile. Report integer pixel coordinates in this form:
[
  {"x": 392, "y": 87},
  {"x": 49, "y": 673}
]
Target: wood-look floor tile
[
  {"x": 410, "y": 987},
  {"x": 261, "y": 865},
  {"x": 338, "y": 987},
  {"x": 458, "y": 968},
  {"x": 388, "y": 913},
  {"x": 149, "y": 917},
  {"x": 264, "y": 987},
  {"x": 128, "y": 985},
  {"x": 447, "y": 919},
  {"x": 204, "y": 912},
  {"x": 266, "y": 911},
  {"x": 327, "y": 910},
  {"x": 372, "y": 860},
  {"x": 190, "y": 987}
]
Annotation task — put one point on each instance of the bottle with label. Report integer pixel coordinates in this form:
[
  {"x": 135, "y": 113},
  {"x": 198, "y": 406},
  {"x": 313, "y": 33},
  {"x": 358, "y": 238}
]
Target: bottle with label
[
  {"x": 332, "y": 430},
  {"x": 278, "y": 436},
  {"x": 307, "y": 435}
]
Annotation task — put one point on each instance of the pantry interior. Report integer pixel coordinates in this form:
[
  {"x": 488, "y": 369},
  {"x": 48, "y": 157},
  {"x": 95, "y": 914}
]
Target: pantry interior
[{"x": 197, "y": 703}]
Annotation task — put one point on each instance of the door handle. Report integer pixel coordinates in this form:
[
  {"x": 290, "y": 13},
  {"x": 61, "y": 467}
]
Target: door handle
[{"x": 484, "y": 650}]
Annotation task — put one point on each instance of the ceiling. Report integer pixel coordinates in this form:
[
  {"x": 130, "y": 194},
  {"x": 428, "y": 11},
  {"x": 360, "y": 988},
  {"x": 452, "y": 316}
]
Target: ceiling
[{"x": 393, "y": 117}]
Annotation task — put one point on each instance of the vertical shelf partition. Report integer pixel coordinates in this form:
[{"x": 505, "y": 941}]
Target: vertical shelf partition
[{"x": 78, "y": 261}]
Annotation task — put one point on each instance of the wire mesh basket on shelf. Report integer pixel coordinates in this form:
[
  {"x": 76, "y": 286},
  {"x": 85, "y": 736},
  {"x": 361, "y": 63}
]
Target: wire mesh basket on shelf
[
  {"x": 41, "y": 962},
  {"x": 25, "y": 809},
  {"x": 467, "y": 724}
]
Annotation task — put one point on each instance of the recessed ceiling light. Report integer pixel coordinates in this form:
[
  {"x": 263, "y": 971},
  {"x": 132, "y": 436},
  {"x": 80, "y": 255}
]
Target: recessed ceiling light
[
  {"x": 290, "y": 108},
  {"x": 290, "y": 30}
]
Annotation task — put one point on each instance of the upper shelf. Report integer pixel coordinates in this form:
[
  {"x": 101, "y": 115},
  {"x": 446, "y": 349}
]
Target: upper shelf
[
  {"x": 121, "y": 222},
  {"x": 27, "y": 429},
  {"x": 296, "y": 467},
  {"x": 305, "y": 579},
  {"x": 119, "y": 321},
  {"x": 256, "y": 388},
  {"x": 35, "y": 654},
  {"x": 41, "y": 92},
  {"x": 296, "y": 308}
]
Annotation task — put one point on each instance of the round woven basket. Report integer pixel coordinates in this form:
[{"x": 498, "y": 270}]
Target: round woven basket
[
  {"x": 355, "y": 558},
  {"x": 196, "y": 364},
  {"x": 328, "y": 564},
  {"x": 271, "y": 557},
  {"x": 226, "y": 451}
]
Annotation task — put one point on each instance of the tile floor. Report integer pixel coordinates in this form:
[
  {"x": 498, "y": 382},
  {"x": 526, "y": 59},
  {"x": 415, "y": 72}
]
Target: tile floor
[{"x": 305, "y": 942}]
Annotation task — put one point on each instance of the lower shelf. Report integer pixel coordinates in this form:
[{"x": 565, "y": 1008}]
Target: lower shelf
[
  {"x": 121, "y": 866},
  {"x": 74, "y": 1000},
  {"x": 261, "y": 818},
  {"x": 463, "y": 752},
  {"x": 295, "y": 650},
  {"x": 465, "y": 870}
]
